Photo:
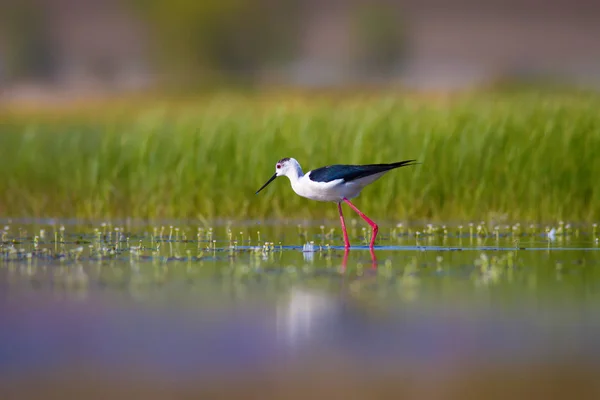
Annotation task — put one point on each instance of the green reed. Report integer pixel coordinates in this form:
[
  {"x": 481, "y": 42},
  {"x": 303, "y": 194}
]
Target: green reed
[{"x": 522, "y": 156}]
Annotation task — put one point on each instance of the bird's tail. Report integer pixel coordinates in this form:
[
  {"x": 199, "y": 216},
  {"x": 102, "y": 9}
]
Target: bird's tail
[
  {"x": 386, "y": 167},
  {"x": 405, "y": 163}
]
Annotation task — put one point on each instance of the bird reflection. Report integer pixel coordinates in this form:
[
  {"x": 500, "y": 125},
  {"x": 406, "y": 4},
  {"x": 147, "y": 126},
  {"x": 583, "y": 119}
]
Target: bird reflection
[
  {"x": 347, "y": 252},
  {"x": 309, "y": 315}
]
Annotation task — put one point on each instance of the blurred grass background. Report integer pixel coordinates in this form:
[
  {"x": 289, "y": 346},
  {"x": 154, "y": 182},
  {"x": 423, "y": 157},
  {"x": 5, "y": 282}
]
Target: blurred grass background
[
  {"x": 157, "y": 109},
  {"x": 530, "y": 155}
]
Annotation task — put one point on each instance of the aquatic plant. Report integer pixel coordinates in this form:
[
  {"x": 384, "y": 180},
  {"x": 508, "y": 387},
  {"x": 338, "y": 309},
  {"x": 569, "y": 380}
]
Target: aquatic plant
[{"x": 521, "y": 156}]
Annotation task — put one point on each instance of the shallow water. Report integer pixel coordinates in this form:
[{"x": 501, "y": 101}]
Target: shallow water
[{"x": 166, "y": 304}]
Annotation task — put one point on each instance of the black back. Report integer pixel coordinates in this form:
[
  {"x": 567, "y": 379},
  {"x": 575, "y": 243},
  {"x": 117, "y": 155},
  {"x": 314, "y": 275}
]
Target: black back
[{"x": 352, "y": 172}]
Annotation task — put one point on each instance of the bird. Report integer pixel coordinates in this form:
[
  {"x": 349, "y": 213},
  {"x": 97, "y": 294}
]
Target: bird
[{"x": 336, "y": 183}]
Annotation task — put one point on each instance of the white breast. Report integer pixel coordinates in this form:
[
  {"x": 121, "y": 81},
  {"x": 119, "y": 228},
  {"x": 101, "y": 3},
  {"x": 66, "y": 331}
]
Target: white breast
[{"x": 334, "y": 191}]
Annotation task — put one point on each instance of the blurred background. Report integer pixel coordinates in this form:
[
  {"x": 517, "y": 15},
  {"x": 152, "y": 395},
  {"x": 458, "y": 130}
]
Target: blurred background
[
  {"x": 117, "y": 310},
  {"x": 51, "y": 49}
]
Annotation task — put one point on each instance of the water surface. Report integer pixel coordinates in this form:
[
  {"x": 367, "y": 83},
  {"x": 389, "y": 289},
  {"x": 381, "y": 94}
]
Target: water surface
[{"x": 173, "y": 306}]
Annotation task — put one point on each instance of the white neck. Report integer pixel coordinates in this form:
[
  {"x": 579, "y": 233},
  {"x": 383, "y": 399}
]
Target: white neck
[{"x": 294, "y": 173}]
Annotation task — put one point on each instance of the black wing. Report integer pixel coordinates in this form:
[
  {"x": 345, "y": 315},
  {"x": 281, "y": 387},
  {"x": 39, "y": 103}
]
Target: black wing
[{"x": 352, "y": 172}]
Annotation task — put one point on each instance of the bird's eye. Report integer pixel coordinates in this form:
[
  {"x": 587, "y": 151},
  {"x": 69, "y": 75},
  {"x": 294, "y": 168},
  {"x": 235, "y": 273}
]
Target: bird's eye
[{"x": 278, "y": 166}]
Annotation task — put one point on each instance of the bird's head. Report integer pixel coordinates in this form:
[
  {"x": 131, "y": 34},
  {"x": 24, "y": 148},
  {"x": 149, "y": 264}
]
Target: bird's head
[{"x": 284, "y": 167}]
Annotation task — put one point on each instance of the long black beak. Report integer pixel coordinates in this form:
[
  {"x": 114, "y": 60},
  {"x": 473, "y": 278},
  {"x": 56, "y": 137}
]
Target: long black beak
[{"x": 265, "y": 185}]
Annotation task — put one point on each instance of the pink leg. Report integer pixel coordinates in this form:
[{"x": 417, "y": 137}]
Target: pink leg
[
  {"x": 367, "y": 219},
  {"x": 346, "y": 241}
]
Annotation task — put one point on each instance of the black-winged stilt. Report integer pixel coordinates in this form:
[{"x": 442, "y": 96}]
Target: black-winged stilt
[{"x": 336, "y": 183}]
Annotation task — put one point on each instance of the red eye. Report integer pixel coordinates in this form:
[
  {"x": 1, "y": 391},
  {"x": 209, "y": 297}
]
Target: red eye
[{"x": 278, "y": 166}]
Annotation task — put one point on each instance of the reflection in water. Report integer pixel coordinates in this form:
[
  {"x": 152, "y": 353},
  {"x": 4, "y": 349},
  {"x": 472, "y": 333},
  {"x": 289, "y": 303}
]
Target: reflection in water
[
  {"x": 181, "y": 309},
  {"x": 303, "y": 315},
  {"x": 371, "y": 253}
]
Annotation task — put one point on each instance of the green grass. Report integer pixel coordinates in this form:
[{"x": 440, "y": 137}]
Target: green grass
[{"x": 529, "y": 156}]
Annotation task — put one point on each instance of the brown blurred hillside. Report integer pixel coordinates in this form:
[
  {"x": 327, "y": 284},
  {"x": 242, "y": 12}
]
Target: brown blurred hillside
[{"x": 65, "y": 47}]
